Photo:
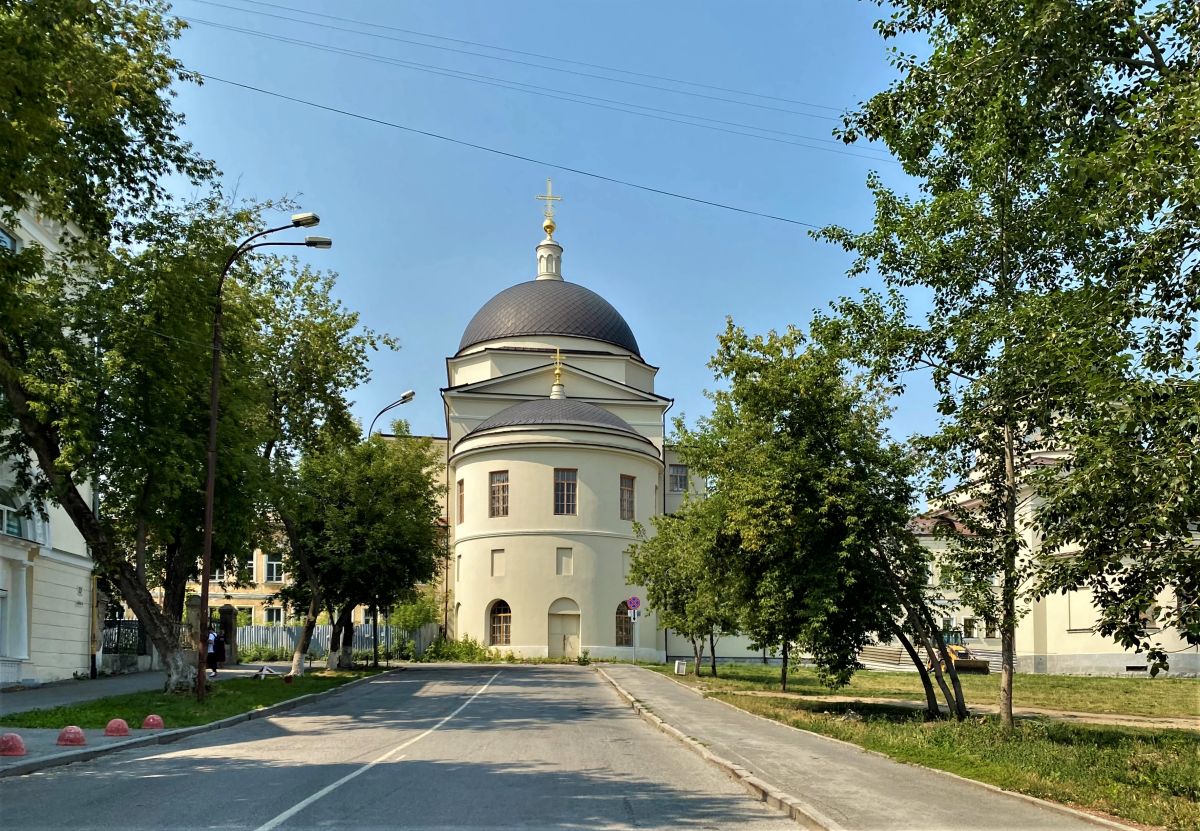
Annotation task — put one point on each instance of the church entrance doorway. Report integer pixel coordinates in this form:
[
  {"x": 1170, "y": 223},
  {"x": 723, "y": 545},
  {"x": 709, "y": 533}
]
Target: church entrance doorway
[{"x": 563, "y": 629}]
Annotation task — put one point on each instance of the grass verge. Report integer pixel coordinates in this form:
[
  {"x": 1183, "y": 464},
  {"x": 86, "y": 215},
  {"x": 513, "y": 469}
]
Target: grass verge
[
  {"x": 1147, "y": 776},
  {"x": 1163, "y": 697},
  {"x": 228, "y": 698}
]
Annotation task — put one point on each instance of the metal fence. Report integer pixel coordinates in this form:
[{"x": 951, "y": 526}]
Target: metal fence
[
  {"x": 125, "y": 637},
  {"x": 286, "y": 637}
]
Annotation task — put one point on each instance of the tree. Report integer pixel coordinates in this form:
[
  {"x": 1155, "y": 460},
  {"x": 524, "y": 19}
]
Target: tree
[
  {"x": 1055, "y": 234},
  {"x": 811, "y": 492},
  {"x": 89, "y": 150},
  {"x": 369, "y": 528},
  {"x": 682, "y": 570}
]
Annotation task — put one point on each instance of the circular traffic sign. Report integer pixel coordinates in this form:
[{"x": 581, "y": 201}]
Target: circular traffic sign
[{"x": 634, "y": 603}]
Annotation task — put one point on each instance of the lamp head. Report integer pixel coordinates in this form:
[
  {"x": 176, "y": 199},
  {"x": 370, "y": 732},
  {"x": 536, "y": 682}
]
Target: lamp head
[
  {"x": 305, "y": 220},
  {"x": 318, "y": 242},
  {"x": 407, "y": 396}
]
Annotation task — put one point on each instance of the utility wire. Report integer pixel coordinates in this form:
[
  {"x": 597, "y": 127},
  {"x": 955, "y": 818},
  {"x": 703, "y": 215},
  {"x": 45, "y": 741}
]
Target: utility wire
[
  {"x": 506, "y": 154},
  {"x": 557, "y": 94},
  {"x": 520, "y": 52},
  {"x": 520, "y": 63}
]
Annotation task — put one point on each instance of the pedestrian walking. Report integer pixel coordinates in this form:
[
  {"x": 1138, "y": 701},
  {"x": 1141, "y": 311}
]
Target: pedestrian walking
[
  {"x": 210, "y": 657},
  {"x": 220, "y": 649}
]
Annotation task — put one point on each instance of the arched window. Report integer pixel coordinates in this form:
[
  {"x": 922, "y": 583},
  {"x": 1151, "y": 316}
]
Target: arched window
[
  {"x": 501, "y": 624},
  {"x": 11, "y": 521},
  {"x": 624, "y": 625}
]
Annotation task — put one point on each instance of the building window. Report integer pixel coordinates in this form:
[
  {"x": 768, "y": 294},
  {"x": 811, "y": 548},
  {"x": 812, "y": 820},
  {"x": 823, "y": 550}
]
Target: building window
[
  {"x": 564, "y": 491},
  {"x": 218, "y": 574},
  {"x": 498, "y": 562},
  {"x": 564, "y": 562},
  {"x": 624, "y": 625},
  {"x": 458, "y": 568},
  {"x": 274, "y": 568},
  {"x": 273, "y": 616},
  {"x": 626, "y": 497},
  {"x": 501, "y": 624},
  {"x": 498, "y": 499},
  {"x": 458, "y": 514},
  {"x": 7, "y": 240},
  {"x": 679, "y": 479},
  {"x": 969, "y": 627},
  {"x": 11, "y": 521}
]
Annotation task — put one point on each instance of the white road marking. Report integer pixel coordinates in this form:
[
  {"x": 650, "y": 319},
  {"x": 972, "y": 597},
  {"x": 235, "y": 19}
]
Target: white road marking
[{"x": 300, "y": 806}]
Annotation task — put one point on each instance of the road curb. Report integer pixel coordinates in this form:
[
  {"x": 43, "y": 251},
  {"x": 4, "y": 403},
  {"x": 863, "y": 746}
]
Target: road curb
[
  {"x": 794, "y": 807},
  {"x": 174, "y": 735},
  {"x": 1102, "y": 822}
]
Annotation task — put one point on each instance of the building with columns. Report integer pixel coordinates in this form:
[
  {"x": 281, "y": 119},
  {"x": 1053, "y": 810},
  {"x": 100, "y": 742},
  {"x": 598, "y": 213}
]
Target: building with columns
[{"x": 555, "y": 449}]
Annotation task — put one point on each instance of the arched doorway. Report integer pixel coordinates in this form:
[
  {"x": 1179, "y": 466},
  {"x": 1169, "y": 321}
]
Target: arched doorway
[{"x": 563, "y": 629}]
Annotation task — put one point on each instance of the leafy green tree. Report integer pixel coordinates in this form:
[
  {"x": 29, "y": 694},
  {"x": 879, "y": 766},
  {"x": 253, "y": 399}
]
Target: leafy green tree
[
  {"x": 811, "y": 491},
  {"x": 682, "y": 569},
  {"x": 1054, "y": 235},
  {"x": 421, "y": 610},
  {"x": 369, "y": 529}
]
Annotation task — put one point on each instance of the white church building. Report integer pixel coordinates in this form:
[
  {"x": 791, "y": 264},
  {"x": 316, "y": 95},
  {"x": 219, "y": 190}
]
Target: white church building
[{"x": 555, "y": 449}]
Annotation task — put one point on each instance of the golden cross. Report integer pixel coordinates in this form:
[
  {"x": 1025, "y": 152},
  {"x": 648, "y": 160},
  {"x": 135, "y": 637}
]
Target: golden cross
[{"x": 548, "y": 223}]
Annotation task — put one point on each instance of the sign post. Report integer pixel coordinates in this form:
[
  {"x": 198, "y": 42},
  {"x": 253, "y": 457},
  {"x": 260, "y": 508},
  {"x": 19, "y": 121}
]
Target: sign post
[{"x": 634, "y": 604}]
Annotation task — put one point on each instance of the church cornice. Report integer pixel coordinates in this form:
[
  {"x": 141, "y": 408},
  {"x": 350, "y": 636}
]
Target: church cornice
[{"x": 477, "y": 387}]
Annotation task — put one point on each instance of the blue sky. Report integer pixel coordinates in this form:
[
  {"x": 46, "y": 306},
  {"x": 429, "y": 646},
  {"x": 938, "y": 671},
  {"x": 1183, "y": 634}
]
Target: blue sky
[{"x": 426, "y": 231}]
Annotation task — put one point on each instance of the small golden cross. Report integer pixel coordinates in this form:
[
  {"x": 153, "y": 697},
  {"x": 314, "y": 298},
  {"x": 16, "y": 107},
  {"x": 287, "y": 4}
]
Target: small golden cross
[{"x": 549, "y": 198}]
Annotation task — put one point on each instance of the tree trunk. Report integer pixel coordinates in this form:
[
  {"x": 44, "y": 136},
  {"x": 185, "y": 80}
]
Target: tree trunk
[
  {"x": 935, "y": 661},
  {"x": 335, "y": 638},
  {"x": 310, "y": 624},
  {"x": 783, "y": 672},
  {"x": 346, "y": 654},
  {"x": 932, "y": 711},
  {"x": 174, "y": 582},
  {"x": 1008, "y": 590},
  {"x": 712, "y": 653},
  {"x": 960, "y": 701},
  {"x": 697, "y": 652}
]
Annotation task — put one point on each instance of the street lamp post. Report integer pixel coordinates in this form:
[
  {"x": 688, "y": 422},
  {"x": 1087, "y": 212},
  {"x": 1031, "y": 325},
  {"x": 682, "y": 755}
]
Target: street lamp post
[
  {"x": 404, "y": 398},
  {"x": 300, "y": 220}
]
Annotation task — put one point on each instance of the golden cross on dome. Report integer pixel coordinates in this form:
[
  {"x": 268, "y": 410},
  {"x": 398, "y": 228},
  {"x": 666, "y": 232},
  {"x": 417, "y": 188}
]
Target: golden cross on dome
[{"x": 548, "y": 225}]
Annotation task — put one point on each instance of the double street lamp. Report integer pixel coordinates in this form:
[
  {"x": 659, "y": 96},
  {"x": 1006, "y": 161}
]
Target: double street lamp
[{"x": 300, "y": 220}]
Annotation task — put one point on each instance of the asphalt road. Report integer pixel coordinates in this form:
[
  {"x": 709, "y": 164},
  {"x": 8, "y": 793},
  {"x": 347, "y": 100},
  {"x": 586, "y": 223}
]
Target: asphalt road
[{"x": 513, "y": 747}]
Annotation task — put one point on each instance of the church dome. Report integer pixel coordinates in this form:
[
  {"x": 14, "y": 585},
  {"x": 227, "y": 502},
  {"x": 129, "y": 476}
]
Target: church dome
[
  {"x": 558, "y": 412},
  {"x": 549, "y": 307}
]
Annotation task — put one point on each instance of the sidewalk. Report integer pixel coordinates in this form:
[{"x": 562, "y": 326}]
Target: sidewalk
[
  {"x": 831, "y": 784},
  {"x": 62, "y": 693}
]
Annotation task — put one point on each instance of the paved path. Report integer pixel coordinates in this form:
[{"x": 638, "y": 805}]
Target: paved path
[
  {"x": 62, "y": 693},
  {"x": 473, "y": 748},
  {"x": 853, "y": 788}
]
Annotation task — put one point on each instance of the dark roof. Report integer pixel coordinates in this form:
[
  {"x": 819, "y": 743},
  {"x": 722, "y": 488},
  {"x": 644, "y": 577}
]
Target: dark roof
[
  {"x": 557, "y": 412},
  {"x": 549, "y": 307}
]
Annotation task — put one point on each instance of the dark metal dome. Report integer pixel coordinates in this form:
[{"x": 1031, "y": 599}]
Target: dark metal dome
[
  {"x": 556, "y": 412},
  {"x": 549, "y": 307}
]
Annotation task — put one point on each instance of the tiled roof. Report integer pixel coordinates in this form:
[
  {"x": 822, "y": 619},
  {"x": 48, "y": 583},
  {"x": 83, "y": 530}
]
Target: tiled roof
[{"x": 549, "y": 307}]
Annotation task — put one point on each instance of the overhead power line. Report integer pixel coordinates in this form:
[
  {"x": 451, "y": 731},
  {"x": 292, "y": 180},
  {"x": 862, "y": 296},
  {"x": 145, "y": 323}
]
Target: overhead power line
[
  {"x": 507, "y": 154},
  {"x": 514, "y": 61},
  {"x": 560, "y": 95}
]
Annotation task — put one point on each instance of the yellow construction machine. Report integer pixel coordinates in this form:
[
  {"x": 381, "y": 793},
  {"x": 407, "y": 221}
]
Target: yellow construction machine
[{"x": 964, "y": 660}]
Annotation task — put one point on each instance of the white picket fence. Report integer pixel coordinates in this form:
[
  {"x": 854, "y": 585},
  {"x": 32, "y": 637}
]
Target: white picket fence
[{"x": 286, "y": 637}]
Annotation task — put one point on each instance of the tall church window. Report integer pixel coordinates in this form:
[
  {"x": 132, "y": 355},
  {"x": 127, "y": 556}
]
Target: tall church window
[
  {"x": 565, "y": 483},
  {"x": 626, "y": 497},
  {"x": 458, "y": 513},
  {"x": 498, "y": 502},
  {"x": 624, "y": 625},
  {"x": 501, "y": 624},
  {"x": 679, "y": 479}
]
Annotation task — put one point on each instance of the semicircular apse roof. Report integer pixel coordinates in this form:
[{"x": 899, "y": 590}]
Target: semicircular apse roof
[
  {"x": 556, "y": 412},
  {"x": 549, "y": 307}
]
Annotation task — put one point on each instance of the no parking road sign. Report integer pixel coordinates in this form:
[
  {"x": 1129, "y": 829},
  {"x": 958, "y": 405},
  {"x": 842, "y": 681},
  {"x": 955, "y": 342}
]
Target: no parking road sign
[{"x": 634, "y": 603}]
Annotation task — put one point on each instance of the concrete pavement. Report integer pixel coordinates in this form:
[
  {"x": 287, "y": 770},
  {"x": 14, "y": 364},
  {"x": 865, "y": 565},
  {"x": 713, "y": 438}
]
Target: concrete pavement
[
  {"x": 841, "y": 786},
  {"x": 477, "y": 747}
]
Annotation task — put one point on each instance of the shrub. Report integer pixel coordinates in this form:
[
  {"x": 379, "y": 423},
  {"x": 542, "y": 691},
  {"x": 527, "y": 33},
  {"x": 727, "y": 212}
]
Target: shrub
[{"x": 467, "y": 650}]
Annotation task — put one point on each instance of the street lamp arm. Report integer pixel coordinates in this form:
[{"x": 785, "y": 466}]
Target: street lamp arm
[{"x": 404, "y": 399}]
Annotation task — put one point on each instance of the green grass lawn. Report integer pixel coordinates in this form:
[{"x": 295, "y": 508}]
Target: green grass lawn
[
  {"x": 225, "y": 699},
  {"x": 1167, "y": 697},
  {"x": 1148, "y": 776}
]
